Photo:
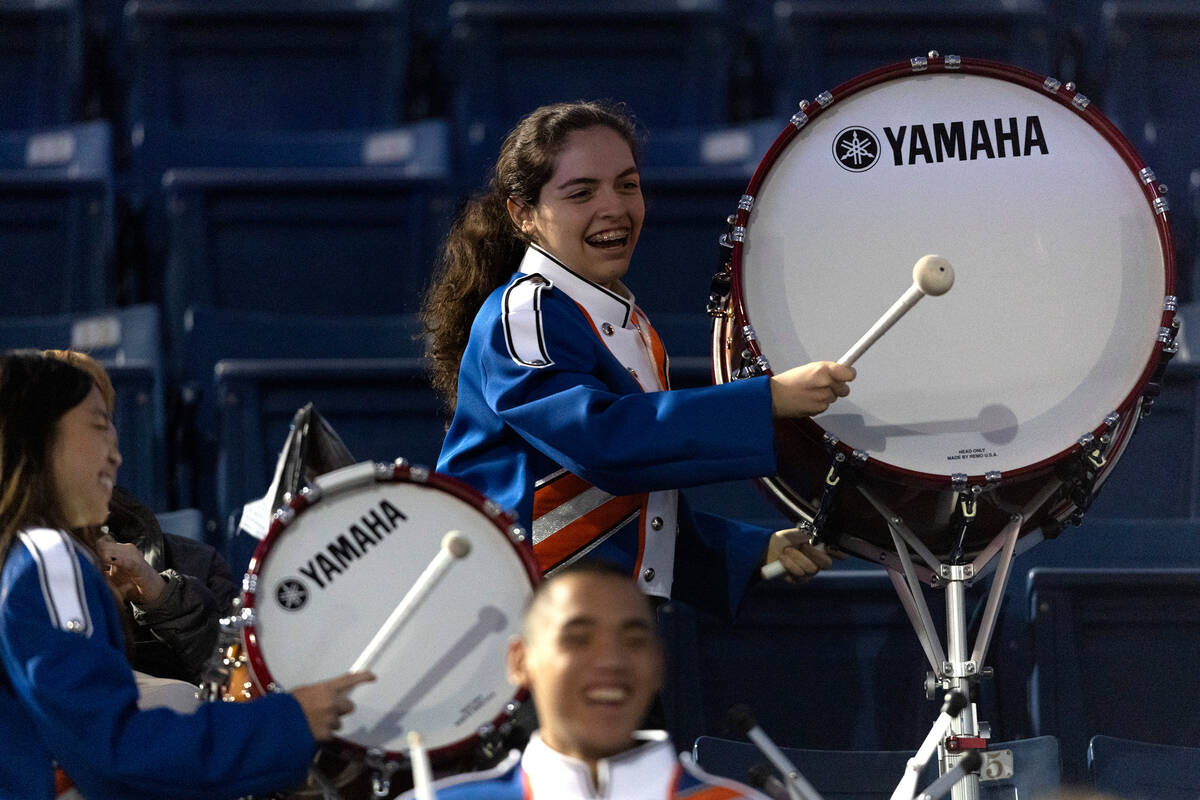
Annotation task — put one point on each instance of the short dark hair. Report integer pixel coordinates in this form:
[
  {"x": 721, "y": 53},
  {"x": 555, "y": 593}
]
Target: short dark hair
[{"x": 587, "y": 567}]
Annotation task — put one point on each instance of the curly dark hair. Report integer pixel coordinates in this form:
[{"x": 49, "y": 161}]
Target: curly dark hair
[{"x": 484, "y": 247}]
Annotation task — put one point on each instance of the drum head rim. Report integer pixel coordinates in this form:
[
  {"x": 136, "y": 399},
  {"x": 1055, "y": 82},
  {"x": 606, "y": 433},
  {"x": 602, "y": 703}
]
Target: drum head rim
[
  {"x": 502, "y": 520},
  {"x": 983, "y": 68}
]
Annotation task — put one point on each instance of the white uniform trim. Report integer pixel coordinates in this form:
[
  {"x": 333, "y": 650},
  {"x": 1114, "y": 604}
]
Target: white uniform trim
[
  {"x": 522, "y": 314},
  {"x": 481, "y": 776},
  {"x": 61, "y": 581}
]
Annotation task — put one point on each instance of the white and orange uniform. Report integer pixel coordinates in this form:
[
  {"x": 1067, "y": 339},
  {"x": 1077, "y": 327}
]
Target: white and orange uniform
[
  {"x": 650, "y": 771},
  {"x": 563, "y": 416}
]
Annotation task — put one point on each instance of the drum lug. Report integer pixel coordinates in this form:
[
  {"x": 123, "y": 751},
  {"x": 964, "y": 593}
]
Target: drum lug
[
  {"x": 311, "y": 494},
  {"x": 919, "y": 63},
  {"x": 833, "y": 480},
  {"x": 800, "y": 118},
  {"x": 965, "y": 510},
  {"x": 718, "y": 294},
  {"x": 1168, "y": 337},
  {"x": 285, "y": 515},
  {"x": 381, "y": 772}
]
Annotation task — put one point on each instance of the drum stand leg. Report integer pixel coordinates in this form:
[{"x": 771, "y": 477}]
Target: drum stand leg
[{"x": 954, "y": 668}]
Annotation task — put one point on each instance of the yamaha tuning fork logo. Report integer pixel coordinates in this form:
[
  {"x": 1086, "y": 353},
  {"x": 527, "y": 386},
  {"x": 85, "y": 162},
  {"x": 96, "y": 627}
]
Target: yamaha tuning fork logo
[
  {"x": 856, "y": 149},
  {"x": 291, "y": 594}
]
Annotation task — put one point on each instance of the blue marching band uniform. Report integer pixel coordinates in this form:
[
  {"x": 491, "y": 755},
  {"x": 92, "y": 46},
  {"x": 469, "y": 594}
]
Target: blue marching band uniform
[
  {"x": 559, "y": 386},
  {"x": 650, "y": 771},
  {"x": 68, "y": 699},
  {"x": 560, "y": 381}
]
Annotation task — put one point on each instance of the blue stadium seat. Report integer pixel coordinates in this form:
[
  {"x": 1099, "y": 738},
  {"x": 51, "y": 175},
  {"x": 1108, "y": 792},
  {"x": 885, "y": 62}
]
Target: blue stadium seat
[
  {"x": 1114, "y": 652},
  {"x": 1142, "y": 770},
  {"x": 873, "y": 775},
  {"x": 41, "y": 59},
  {"x": 56, "y": 219},
  {"x": 127, "y": 341},
  {"x": 263, "y": 65},
  {"x": 258, "y": 338},
  {"x": 669, "y": 61},
  {"x": 832, "y": 663},
  {"x": 185, "y": 522},
  {"x": 1152, "y": 93},
  {"x": 692, "y": 179},
  {"x": 1156, "y": 475},
  {"x": 339, "y": 223},
  {"x": 222, "y": 66},
  {"x": 819, "y": 45}
]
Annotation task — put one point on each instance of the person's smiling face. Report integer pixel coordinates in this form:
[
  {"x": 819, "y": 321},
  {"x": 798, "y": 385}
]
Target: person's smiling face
[
  {"x": 590, "y": 212},
  {"x": 84, "y": 459},
  {"x": 592, "y": 661}
]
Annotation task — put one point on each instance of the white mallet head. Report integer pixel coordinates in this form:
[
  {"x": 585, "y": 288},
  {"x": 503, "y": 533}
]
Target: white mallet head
[
  {"x": 456, "y": 544},
  {"x": 933, "y": 275}
]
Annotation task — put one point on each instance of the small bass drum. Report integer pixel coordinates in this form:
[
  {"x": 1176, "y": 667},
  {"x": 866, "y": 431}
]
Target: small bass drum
[{"x": 335, "y": 565}]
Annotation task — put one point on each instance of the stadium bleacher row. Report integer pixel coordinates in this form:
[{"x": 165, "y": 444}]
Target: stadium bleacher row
[{"x": 235, "y": 205}]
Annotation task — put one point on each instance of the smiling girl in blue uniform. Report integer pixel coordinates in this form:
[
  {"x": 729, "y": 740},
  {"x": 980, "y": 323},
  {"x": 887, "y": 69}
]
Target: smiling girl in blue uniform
[
  {"x": 560, "y": 385},
  {"x": 67, "y": 693}
]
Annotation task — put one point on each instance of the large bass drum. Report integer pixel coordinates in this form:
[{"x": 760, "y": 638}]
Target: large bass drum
[{"x": 1014, "y": 393}]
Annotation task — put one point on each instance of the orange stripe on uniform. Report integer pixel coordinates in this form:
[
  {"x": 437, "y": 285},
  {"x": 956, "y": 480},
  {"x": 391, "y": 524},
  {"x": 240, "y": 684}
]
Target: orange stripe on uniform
[
  {"x": 660, "y": 351},
  {"x": 708, "y": 793},
  {"x": 562, "y": 489},
  {"x": 555, "y": 549}
]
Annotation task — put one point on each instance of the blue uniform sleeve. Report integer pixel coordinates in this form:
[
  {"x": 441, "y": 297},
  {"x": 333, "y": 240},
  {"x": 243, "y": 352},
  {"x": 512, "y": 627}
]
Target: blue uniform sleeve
[
  {"x": 80, "y": 693},
  {"x": 582, "y": 413},
  {"x": 716, "y": 560}
]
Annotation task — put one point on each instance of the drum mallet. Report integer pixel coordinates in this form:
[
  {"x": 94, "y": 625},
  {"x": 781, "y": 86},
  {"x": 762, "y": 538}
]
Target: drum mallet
[
  {"x": 932, "y": 275},
  {"x": 454, "y": 546},
  {"x": 421, "y": 771}
]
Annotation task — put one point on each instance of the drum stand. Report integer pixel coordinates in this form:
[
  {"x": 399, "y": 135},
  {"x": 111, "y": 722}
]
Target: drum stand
[{"x": 954, "y": 669}]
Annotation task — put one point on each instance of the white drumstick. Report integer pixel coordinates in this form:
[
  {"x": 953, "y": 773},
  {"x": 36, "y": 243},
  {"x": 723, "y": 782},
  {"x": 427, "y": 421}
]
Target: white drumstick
[
  {"x": 932, "y": 275},
  {"x": 454, "y": 547},
  {"x": 421, "y": 771},
  {"x": 776, "y": 567}
]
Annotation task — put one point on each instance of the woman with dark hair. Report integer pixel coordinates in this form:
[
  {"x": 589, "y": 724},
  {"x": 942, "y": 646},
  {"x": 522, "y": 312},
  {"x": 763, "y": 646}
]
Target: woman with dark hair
[
  {"x": 67, "y": 693},
  {"x": 559, "y": 384},
  {"x": 175, "y": 589}
]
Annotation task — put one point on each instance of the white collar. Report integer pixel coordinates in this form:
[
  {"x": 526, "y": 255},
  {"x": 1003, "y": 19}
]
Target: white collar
[
  {"x": 645, "y": 770},
  {"x": 600, "y": 303}
]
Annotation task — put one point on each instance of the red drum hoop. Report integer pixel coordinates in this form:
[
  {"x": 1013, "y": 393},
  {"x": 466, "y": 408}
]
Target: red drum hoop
[
  {"x": 333, "y": 566},
  {"x": 1049, "y": 216}
]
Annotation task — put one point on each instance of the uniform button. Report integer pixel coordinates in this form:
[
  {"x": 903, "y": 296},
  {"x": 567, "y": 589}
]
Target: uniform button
[
  {"x": 656, "y": 523},
  {"x": 648, "y": 575},
  {"x": 74, "y": 625},
  {"x": 632, "y": 371},
  {"x": 607, "y": 328}
]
